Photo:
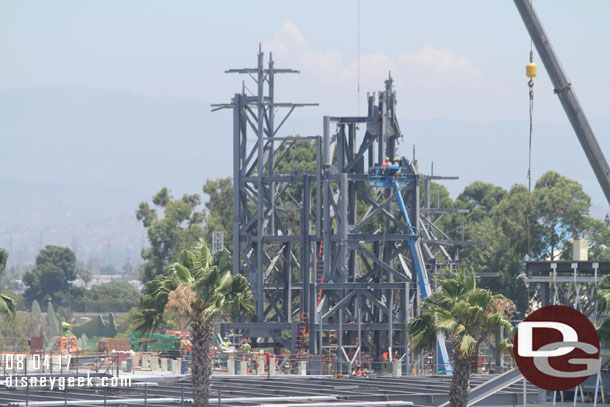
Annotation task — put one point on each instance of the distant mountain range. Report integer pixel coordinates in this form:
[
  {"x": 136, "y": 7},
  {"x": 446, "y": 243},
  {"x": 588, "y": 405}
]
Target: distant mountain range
[{"x": 75, "y": 162}]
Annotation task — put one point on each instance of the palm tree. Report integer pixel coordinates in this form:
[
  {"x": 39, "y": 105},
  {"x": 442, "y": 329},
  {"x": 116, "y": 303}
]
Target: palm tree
[
  {"x": 7, "y": 304},
  {"x": 213, "y": 290},
  {"x": 465, "y": 314}
]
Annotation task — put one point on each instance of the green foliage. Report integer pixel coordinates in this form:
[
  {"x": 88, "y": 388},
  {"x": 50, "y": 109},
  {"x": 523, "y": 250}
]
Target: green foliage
[
  {"x": 86, "y": 276},
  {"x": 558, "y": 212},
  {"x": 83, "y": 341},
  {"x": 97, "y": 328},
  {"x": 466, "y": 314},
  {"x": 53, "y": 328},
  {"x": 179, "y": 228},
  {"x": 114, "y": 296},
  {"x": 7, "y": 304},
  {"x": 3, "y": 259},
  {"x": 603, "y": 310},
  {"x": 561, "y": 208},
  {"x": 220, "y": 208},
  {"x": 15, "y": 331},
  {"x": 52, "y": 276},
  {"x": 124, "y": 322},
  {"x": 36, "y": 311},
  {"x": 216, "y": 290},
  {"x": 480, "y": 198}
]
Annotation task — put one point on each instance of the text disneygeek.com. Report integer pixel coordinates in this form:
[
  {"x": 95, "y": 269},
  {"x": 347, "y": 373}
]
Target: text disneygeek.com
[{"x": 61, "y": 382}]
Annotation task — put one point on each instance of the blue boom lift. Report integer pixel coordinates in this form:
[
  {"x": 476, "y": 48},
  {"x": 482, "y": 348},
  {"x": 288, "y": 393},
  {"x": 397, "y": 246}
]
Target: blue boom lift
[{"x": 394, "y": 177}]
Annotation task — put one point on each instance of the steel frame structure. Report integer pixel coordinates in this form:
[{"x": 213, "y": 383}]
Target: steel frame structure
[
  {"x": 572, "y": 283},
  {"x": 325, "y": 252}
]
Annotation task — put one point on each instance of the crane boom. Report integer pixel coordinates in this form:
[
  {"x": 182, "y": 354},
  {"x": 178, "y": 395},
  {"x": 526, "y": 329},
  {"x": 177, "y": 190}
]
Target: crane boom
[{"x": 567, "y": 96}]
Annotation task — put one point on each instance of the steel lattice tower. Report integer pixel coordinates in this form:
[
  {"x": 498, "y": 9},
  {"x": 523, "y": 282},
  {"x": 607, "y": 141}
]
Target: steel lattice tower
[{"x": 326, "y": 253}]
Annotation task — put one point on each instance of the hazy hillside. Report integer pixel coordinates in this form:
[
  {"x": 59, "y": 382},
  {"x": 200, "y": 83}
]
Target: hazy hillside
[{"x": 74, "y": 163}]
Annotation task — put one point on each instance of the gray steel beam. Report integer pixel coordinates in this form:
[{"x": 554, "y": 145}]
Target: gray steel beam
[{"x": 271, "y": 249}]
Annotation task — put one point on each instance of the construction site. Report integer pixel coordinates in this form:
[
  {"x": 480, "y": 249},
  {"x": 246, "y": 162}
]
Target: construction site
[{"x": 340, "y": 260}]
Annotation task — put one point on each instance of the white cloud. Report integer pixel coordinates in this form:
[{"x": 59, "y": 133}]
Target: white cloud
[
  {"x": 437, "y": 82},
  {"x": 428, "y": 67}
]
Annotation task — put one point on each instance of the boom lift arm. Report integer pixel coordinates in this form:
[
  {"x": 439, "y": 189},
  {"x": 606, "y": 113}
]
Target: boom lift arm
[
  {"x": 567, "y": 95},
  {"x": 393, "y": 177}
]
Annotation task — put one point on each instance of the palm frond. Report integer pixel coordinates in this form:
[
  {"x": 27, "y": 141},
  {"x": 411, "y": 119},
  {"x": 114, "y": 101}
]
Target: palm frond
[
  {"x": 8, "y": 306},
  {"x": 422, "y": 331},
  {"x": 223, "y": 259},
  {"x": 604, "y": 333},
  {"x": 204, "y": 255},
  {"x": 182, "y": 272},
  {"x": 466, "y": 344},
  {"x": 461, "y": 311},
  {"x": 603, "y": 295},
  {"x": 480, "y": 297}
]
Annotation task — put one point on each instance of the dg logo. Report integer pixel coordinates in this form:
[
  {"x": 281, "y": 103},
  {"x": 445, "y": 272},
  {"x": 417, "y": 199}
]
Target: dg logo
[{"x": 557, "y": 348}]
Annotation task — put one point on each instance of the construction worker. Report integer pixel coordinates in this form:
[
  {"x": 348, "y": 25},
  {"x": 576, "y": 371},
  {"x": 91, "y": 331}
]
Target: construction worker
[
  {"x": 245, "y": 347},
  {"x": 385, "y": 164},
  {"x": 393, "y": 168},
  {"x": 225, "y": 345}
]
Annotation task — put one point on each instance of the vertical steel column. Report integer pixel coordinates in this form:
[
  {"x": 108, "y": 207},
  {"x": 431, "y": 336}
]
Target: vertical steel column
[
  {"x": 326, "y": 197},
  {"x": 415, "y": 203},
  {"x": 427, "y": 192},
  {"x": 260, "y": 208},
  {"x": 237, "y": 164},
  {"x": 287, "y": 254},
  {"x": 352, "y": 215},
  {"x": 306, "y": 248},
  {"x": 343, "y": 225},
  {"x": 270, "y": 144},
  {"x": 407, "y": 320},
  {"x": 381, "y": 153}
]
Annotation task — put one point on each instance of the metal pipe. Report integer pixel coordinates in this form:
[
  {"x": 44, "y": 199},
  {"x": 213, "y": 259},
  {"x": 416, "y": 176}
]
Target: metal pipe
[
  {"x": 349, "y": 403},
  {"x": 178, "y": 400}
]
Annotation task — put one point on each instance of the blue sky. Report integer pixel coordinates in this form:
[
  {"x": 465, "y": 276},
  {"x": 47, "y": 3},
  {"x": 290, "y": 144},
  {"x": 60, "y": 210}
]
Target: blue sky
[{"x": 460, "y": 60}]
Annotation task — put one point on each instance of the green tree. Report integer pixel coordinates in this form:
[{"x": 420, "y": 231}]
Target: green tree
[
  {"x": 178, "y": 229},
  {"x": 558, "y": 212},
  {"x": 480, "y": 198},
  {"x": 597, "y": 233},
  {"x": 561, "y": 208},
  {"x": 214, "y": 291},
  {"x": 52, "y": 277},
  {"x": 86, "y": 276},
  {"x": 220, "y": 208},
  {"x": 115, "y": 296},
  {"x": 15, "y": 330},
  {"x": 603, "y": 310},
  {"x": 7, "y": 304},
  {"x": 467, "y": 315}
]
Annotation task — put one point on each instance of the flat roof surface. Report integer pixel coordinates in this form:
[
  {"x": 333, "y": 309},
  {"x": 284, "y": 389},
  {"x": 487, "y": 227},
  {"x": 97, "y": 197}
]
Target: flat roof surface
[{"x": 257, "y": 390}]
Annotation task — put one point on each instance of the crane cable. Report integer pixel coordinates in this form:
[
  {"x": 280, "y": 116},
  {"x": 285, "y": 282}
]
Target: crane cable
[
  {"x": 530, "y": 72},
  {"x": 530, "y": 84},
  {"x": 358, "y": 59}
]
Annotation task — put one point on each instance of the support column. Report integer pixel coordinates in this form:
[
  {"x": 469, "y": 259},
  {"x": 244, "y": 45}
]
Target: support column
[
  {"x": 237, "y": 163},
  {"x": 260, "y": 205}
]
